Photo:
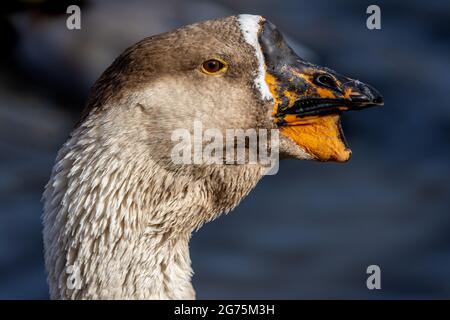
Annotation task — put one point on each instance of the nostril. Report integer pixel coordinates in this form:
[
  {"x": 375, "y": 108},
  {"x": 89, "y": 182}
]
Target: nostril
[{"x": 326, "y": 81}]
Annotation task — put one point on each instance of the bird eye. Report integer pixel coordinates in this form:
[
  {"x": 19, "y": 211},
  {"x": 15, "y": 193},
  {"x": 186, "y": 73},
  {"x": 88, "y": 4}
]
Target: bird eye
[
  {"x": 213, "y": 66},
  {"x": 326, "y": 81}
]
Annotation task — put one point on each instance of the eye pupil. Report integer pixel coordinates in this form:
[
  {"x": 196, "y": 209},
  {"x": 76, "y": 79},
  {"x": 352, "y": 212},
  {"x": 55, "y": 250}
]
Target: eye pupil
[{"x": 213, "y": 66}]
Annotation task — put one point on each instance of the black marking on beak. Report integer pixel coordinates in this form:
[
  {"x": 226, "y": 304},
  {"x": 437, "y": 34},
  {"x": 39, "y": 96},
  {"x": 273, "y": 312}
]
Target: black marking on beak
[
  {"x": 308, "y": 82},
  {"x": 320, "y": 106},
  {"x": 363, "y": 96},
  {"x": 367, "y": 95}
]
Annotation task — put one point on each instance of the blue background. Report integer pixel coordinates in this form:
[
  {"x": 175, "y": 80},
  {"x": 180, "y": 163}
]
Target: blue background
[{"x": 311, "y": 230}]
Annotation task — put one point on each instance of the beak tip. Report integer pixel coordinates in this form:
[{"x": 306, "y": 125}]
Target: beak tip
[
  {"x": 378, "y": 100},
  {"x": 369, "y": 94},
  {"x": 374, "y": 96},
  {"x": 342, "y": 157}
]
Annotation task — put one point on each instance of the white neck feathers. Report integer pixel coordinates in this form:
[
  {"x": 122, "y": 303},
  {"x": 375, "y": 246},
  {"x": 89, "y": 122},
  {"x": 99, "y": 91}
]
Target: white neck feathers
[
  {"x": 122, "y": 222},
  {"x": 104, "y": 235}
]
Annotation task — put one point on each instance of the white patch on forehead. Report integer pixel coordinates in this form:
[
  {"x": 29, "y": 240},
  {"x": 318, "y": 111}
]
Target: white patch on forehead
[{"x": 250, "y": 28}]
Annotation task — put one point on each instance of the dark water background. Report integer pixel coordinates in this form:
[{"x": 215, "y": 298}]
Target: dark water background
[{"x": 311, "y": 230}]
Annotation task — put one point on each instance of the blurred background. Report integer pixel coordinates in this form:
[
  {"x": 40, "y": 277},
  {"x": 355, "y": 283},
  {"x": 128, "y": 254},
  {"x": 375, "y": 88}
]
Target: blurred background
[{"x": 388, "y": 206}]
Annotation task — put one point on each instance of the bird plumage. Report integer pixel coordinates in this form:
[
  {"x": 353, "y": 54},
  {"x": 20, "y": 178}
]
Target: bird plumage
[{"x": 117, "y": 209}]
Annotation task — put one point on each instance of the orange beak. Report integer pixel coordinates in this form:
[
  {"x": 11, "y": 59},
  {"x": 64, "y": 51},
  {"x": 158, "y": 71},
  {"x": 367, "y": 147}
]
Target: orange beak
[
  {"x": 311, "y": 116},
  {"x": 309, "y": 98}
]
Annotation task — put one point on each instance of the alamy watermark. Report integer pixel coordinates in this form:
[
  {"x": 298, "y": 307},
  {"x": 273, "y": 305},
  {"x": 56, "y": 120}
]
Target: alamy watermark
[
  {"x": 374, "y": 279},
  {"x": 73, "y": 281},
  {"x": 373, "y": 21},
  {"x": 229, "y": 146},
  {"x": 73, "y": 21}
]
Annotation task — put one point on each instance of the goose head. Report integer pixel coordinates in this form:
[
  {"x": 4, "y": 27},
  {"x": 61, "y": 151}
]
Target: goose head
[
  {"x": 236, "y": 72},
  {"x": 119, "y": 210}
]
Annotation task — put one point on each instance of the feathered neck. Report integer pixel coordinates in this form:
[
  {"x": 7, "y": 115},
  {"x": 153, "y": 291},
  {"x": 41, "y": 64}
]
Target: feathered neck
[{"x": 117, "y": 223}]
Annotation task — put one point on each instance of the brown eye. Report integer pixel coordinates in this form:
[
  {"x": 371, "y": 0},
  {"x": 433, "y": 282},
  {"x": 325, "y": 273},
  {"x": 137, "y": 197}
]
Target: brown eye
[{"x": 213, "y": 66}]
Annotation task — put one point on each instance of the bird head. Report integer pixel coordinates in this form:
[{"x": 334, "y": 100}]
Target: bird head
[
  {"x": 308, "y": 99},
  {"x": 235, "y": 72},
  {"x": 117, "y": 202}
]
